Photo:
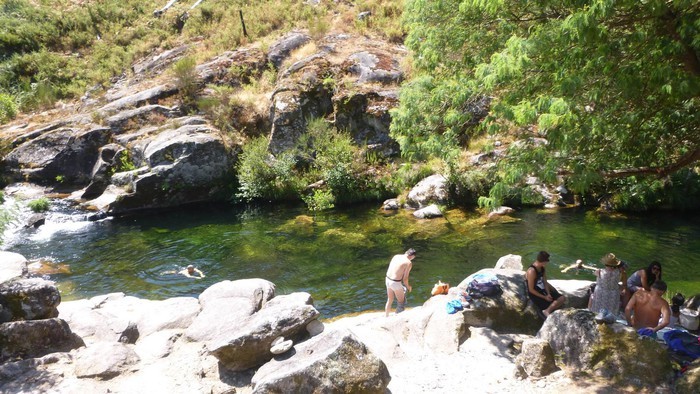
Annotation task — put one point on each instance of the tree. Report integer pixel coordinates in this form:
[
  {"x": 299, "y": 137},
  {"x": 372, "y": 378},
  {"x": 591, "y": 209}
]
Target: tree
[{"x": 612, "y": 88}]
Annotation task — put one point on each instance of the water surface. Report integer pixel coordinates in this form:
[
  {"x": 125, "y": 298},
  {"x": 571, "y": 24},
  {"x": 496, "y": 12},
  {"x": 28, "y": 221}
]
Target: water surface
[{"x": 340, "y": 256}]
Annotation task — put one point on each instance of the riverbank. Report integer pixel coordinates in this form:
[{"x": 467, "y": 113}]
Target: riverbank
[{"x": 221, "y": 341}]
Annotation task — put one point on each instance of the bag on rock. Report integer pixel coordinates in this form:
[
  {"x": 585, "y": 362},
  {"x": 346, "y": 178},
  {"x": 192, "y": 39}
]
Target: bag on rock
[
  {"x": 489, "y": 288},
  {"x": 440, "y": 288}
]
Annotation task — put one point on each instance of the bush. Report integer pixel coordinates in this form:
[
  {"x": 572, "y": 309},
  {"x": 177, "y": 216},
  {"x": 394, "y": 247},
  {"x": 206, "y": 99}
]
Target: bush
[
  {"x": 320, "y": 200},
  {"x": 8, "y": 108},
  {"x": 39, "y": 205},
  {"x": 332, "y": 157},
  {"x": 468, "y": 186},
  {"x": 186, "y": 80},
  {"x": 264, "y": 176}
]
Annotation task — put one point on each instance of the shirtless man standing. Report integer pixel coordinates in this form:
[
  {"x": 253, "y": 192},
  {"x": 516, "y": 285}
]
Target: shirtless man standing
[
  {"x": 648, "y": 307},
  {"x": 397, "y": 280}
]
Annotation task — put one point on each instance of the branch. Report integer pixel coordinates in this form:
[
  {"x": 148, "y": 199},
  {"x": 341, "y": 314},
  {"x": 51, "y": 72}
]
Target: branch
[{"x": 660, "y": 172}]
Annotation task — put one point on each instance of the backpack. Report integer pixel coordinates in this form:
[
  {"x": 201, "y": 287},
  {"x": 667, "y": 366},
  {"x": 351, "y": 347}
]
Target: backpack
[{"x": 477, "y": 288}]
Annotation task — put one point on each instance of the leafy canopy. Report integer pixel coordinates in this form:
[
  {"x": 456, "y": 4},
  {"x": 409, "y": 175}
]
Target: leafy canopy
[{"x": 595, "y": 90}]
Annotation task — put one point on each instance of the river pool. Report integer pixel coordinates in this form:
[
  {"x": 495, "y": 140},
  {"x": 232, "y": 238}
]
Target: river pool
[{"x": 340, "y": 256}]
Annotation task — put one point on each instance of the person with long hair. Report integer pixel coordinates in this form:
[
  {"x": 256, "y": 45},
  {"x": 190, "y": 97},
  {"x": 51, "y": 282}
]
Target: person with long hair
[{"x": 644, "y": 278}]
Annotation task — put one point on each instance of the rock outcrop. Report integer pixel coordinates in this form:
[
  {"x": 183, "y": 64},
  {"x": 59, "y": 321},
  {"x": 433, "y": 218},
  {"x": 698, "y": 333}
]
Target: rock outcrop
[
  {"x": 614, "y": 351},
  {"x": 132, "y": 149},
  {"x": 28, "y": 299},
  {"x": 335, "y": 361},
  {"x": 248, "y": 344},
  {"x": 36, "y": 338}
]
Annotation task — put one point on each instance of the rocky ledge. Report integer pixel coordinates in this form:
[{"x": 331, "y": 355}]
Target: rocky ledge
[{"x": 240, "y": 337}]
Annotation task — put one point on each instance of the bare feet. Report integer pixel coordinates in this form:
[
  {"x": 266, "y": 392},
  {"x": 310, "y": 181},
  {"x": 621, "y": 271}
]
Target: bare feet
[{"x": 546, "y": 313}]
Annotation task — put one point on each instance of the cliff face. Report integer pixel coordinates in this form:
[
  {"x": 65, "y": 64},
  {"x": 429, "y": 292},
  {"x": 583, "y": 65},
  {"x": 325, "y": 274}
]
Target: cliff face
[{"x": 149, "y": 142}]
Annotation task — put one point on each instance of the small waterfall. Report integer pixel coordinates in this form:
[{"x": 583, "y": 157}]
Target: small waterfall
[{"x": 17, "y": 220}]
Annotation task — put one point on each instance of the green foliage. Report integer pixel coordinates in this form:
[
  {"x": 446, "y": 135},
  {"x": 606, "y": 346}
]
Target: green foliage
[
  {"x": 264, "y": 177},
  {"x": 680, "y": 191},
  {"x": 332, "y": 156},
  {"x": 421, "y": 126},
  {"x": 2, "y": 197},
  {"x": 467, "y": 186},
  {"x": 122, "y": 164},
  {"x": 8, "y": 108},
  {"x": 186, "y": 80},
  {"x": 609, "y": 85},
  {"x": 52, "y": 51},
  {"x": 39, "y": 205},
  {"x": 320, "y": 200},
  {"x": 60, "y": 178},
  {"x": 408, "y": 174}
]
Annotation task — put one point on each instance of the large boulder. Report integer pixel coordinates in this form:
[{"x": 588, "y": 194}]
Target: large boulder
[
  {"x": 510, "y": 312},
  {"x": 28, "y": 299},
  {"x": 302, "y": 97},
  {"x": 110, "y": 317},
  {"x": 429, "y": 212},
  {"x": 536, "y": 358},
  {"x": 249, "y": 344},
  {"x": 129, "y": 98},
  {"x": 575, "y": 291},
  {"x": 689, "y": 382},
  {"x": 187, "y": 162},
  {"x": 240, "y": 299},
  {"x": 36, "y": 338},
  {"x": 365, "y": 115},
  {"x": 104, "y": 360},
  {"x": 335, "y": 361},
  {"x": 13, "y": 265},
  {"x": 431, "y": 190},
  {"x": 156, "y": 63},
  {"x": 107, "y": 161},
  {"x": 66, "y": 152},
  {"x": 510, "y": 261},
  {"x": 613, "y": 351}
]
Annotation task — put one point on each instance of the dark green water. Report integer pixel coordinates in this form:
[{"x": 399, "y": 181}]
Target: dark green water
[{"x": 340, "y": 257}]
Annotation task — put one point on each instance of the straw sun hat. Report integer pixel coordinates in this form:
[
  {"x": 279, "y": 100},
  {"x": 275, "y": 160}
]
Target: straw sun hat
[{"x": 610, "y": 260}]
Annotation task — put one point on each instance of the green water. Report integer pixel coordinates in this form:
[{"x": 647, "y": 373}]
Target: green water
[{"x": 340, "y": 257}]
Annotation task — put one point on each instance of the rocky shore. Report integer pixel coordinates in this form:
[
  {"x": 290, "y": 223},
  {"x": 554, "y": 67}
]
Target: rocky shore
[{"x": 231, "y": 340}]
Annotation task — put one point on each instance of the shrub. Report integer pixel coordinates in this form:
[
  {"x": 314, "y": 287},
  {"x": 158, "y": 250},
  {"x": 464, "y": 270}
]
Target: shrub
[
  {"x": 186, "y": 81},
  {"x": 39, "y": 205},
  {"x": 320, "y": 200},
  {"x": 8, "y": 108},
  {"x": 468, "y": 186},
  {"x": 264, "y": 176}
]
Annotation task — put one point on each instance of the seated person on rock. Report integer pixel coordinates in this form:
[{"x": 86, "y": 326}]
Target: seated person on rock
[
  {"x": 648, "y": 309},
  {"x": 542, "y": 294},
  {"x": 192, "y": 272}
]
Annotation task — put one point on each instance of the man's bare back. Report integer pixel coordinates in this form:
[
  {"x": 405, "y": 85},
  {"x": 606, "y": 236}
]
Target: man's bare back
[
  {"x": 648, "y": 308},
  {"x": 399, "y": 266}
]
